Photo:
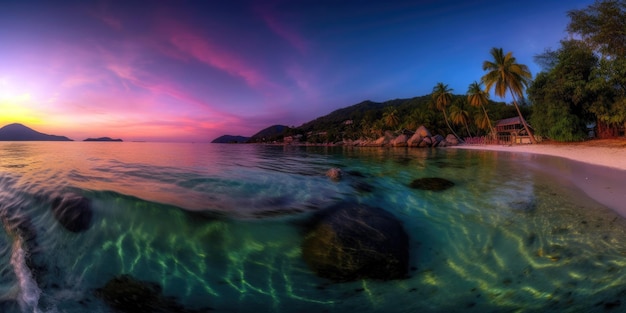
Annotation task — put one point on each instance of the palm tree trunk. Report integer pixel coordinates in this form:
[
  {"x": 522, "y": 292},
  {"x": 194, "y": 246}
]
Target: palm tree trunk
[
  {"x": 445, "y": 117},
  {"x": 532, "y": 137},
  {"x": 488, "y": 120},
  {"x": 467, "y": 129}
]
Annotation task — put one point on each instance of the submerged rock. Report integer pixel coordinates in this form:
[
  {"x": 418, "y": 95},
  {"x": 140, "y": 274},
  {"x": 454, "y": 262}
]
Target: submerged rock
[
  {"x": 431, "y": 183},
  {"x": 126, "y": 294},
  {"x": 349, "y": 242},
  {"x": 334, "y": 174},
  {"x": 73, "y": 212}
]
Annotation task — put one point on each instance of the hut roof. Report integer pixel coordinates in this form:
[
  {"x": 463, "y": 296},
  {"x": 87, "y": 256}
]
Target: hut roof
[{"x": 509, "y": 121}]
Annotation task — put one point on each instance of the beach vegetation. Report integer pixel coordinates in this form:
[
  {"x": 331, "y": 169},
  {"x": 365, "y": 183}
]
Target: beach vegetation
[
  {"x": 583, "y": 82},
  {"x": 505, "y": 74},
  {"x": 459, "y": 115},
  {"x": 561, "y": 92},
  {"x": 442, "y": 96},
  {"x": 479, "y": 98}
]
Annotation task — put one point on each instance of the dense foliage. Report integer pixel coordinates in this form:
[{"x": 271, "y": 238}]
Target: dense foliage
[
  {"x": 584, "y": 81},
  {"x": 371, "y": 120}
]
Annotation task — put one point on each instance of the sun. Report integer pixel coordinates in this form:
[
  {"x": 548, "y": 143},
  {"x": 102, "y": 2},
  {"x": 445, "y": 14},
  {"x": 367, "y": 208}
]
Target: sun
[{"x": 15, "y": 105}]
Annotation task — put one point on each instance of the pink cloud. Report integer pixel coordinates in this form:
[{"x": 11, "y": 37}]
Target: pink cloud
[
  {"x": 103, "y": 13},
  {"x": 199, "y": 47},
  {"x": 284, "y": 31}
]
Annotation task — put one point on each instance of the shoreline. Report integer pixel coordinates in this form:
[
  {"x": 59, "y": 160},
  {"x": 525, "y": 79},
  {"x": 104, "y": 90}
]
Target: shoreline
[
  {"x": 610, "y": 156},
  {"x": 599, "y": 171}
]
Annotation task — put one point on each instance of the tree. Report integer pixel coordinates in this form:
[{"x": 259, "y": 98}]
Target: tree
[
  {"x": 390, "y": 118},
  {"x": 442, "y": 96},
  {"x": 562, "y": 95},
  {"x": 504, "y": 73},
  {"x": 477, "y": 97},
  {"x": 602, "y": 25},
  {"x": 460, "y": 116}
]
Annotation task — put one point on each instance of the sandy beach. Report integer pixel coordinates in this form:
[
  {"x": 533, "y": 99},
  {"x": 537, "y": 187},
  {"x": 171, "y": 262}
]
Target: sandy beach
[
  {"x": 608, "y": 152},
  {"x": 597, "y": 167}
]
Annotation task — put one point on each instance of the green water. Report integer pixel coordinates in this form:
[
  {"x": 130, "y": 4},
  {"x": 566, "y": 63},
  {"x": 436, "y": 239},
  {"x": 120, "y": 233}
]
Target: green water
[{"x": 219, "y": 227}]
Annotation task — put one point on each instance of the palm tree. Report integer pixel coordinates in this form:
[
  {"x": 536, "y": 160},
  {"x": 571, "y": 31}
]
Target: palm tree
[
  {"x": 482, "y": 121},
  {"x": 390, "y": 117},
  {"x": 460, "y": 116},
  {"x": 506, "y": 74},
  {"x": 477, "y": 97},
  {"x": 442, "y": 97}
]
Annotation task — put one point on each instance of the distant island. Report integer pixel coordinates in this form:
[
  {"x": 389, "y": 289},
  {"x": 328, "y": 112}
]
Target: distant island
[
  {"x": 230, "y": 139},
  {"x": 103, "y": 139},
  {"x": 19, "y": 132}
]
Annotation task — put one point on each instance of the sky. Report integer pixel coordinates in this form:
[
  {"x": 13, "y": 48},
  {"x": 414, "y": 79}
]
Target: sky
[{"x": 190, "y": 71}]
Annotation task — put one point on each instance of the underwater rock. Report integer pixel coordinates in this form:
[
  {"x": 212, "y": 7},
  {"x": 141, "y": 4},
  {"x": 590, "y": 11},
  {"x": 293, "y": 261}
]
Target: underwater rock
[
  {"x": 334, "y": 174},
  {"x": 349, "y": 242},
  {"x": 73, "y": 212},
  {"x": 126, "y": 294},
  {"x": 431, "y": 183}
]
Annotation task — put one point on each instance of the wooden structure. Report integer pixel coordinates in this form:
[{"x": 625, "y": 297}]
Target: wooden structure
[{"x": 511, "y": 131}]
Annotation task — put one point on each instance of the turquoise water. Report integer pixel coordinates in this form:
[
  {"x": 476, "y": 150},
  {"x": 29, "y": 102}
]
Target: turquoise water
[{"x": 218, "y": 228}]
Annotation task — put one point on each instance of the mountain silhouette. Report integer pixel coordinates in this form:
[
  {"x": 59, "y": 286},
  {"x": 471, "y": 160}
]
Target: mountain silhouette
[
  {"x": 19, "y": 132},
  {"x": 103, "y": 139}
]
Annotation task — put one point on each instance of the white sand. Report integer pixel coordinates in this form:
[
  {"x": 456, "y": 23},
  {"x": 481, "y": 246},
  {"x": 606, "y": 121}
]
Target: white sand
[
  {"x": 600, "y": 172},
  {"x": 610, "y": 157}
]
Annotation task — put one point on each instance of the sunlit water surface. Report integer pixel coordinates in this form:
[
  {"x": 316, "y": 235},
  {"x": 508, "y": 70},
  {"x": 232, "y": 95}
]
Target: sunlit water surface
[{"x": 218, "y": 227}]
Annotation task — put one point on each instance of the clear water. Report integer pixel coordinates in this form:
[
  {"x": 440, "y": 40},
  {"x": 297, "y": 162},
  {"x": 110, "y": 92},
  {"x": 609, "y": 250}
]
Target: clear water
[{"x": 217, "y": 226}]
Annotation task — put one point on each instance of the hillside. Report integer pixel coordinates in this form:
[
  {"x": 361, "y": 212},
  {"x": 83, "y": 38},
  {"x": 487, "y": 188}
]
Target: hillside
[
  {"x": 230, "y": 139},
  {"x": 269, "y": 134},
  {"x": 19, "y": 132},
  {"x": 369, "y": 120}
]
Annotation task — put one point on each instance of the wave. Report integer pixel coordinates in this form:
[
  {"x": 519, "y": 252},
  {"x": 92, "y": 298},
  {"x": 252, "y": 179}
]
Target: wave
[{"x": 30, "y": 292}]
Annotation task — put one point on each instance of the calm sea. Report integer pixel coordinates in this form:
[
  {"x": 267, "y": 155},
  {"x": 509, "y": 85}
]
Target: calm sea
[{"x": 217, "y": 228}]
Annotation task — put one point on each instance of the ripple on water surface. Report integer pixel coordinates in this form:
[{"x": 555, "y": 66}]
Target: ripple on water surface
[{"x": 503, "y": 238}]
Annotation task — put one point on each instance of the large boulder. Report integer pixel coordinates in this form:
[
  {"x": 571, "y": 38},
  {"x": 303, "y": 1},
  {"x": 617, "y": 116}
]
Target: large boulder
[
  {"x": 415, "y": 140},
  {"x": 349, "y": 242},
  {"x": 436, "y": 140},
  {"x": 423, "y": 132},
  {"x": 426, "y": 142},
  {"x": 73, "y": 212},
  {"x": 451, "y": 140},
  {"x": 382, "y": 141},
  {"x": 400, "y": 141}
]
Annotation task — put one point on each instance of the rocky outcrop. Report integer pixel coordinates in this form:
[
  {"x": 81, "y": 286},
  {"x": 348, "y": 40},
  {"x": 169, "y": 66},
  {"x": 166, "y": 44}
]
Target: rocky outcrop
[
  {"x": 421, "y": 138},
  {"x": 400, "y": 141},
  {"x": 73, "y": 212},
  {"x": 423, "y": 132},
  {"x": 349, "y": 242},
  {"x": 451, "y": 140}
]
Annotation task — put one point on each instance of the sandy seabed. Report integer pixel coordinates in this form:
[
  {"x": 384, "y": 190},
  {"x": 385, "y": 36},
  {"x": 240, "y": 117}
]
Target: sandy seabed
[{"x": 597, "y": 168}]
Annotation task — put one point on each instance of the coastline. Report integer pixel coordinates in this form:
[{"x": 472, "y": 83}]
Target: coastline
[
  {"x": 597, "y": 170},
  {"x": 613, "y": 154}
]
